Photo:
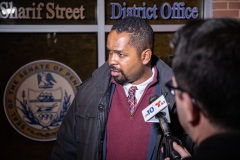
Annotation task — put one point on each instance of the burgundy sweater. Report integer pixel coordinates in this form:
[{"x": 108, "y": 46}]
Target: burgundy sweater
[{"x": 128, "y": 136}]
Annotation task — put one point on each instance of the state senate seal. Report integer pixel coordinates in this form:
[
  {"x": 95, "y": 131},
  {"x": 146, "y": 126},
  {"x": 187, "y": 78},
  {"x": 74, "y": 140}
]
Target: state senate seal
[{"x": 38, "y": 96}]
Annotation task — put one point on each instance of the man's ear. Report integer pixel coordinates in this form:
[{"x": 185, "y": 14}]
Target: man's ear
[
  {"x": 191, "y": 112},
  {"x": 146, "y": 56}
]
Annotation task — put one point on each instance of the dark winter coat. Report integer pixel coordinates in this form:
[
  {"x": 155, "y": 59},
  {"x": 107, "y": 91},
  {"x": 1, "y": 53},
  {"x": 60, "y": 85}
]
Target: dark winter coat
[{"x": 81, "y": 135}]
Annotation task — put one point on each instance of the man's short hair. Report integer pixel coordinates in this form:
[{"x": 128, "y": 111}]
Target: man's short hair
[
  {"x": 140, "y": 31},
  {"x": 207, "y": 65}
]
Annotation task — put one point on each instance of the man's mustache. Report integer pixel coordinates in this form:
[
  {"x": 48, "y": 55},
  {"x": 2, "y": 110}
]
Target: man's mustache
[{"x": 113, "y": 68}]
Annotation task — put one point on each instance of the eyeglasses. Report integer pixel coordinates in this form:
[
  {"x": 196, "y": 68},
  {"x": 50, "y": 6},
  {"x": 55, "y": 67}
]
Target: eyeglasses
[{"x": 172, "y": 89}]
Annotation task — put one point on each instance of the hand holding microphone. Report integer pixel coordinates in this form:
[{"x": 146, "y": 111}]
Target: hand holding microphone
[{"x": 169, "y": 151}]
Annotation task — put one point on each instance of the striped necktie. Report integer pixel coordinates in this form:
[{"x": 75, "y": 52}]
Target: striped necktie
[{"x": 132, "y": 101}]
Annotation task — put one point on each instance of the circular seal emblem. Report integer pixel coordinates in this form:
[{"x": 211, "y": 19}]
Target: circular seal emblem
[{"x": 38, "y": 96}]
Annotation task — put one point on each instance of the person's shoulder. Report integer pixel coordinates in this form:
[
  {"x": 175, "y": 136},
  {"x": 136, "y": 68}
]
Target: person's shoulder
[
  {"x": 99, "y": 80},
  {"x": 164, "y": 70},
  {"x": 98, "y": 74},
  {"x": 104, "y": 67},
  {"x": 163, "y": 66}
]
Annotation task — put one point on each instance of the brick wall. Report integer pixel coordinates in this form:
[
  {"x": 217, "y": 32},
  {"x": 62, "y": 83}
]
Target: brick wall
[{"x": 226, "y": 8}]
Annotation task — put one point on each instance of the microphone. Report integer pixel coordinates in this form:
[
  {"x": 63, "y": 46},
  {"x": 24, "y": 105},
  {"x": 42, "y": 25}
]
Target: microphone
[
  {"x": 156, "y": 104},
  {"x": 168, "y": 148}
]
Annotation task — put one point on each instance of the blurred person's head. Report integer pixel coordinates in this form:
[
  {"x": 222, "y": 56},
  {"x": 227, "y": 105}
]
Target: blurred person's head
[
  {"x": 206, "y": 70},
  {"x": 130, "y": 44}
]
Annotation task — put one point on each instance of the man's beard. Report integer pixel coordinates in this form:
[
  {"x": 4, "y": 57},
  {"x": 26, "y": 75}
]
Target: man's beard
[{"x": 122, "y": 80}]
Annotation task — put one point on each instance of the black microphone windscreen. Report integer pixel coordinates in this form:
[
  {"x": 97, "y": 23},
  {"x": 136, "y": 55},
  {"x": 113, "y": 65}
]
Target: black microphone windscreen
[{"x": 152, "y": 99}]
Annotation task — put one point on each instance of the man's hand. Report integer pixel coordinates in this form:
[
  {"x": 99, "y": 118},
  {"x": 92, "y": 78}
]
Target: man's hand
[{"x": 182, "y": 151}]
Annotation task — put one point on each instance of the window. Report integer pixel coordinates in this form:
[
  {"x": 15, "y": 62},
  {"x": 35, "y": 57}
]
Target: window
[{"x": 74, "y": 41}]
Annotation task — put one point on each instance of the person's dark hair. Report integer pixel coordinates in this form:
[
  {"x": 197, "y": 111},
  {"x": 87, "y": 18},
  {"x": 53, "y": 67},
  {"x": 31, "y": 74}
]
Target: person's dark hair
[
  {"x": 207, "y": 65},
  {"x": 141, "y": 33}
]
